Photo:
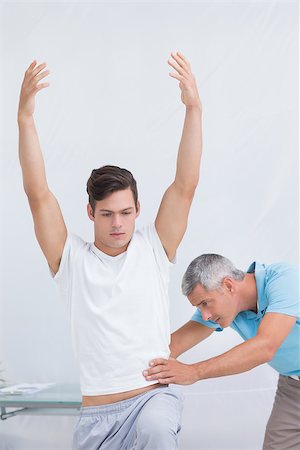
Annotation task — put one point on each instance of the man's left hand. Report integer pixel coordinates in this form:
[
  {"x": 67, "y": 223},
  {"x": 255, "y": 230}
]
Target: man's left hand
[{"x": 167, "y": 371}]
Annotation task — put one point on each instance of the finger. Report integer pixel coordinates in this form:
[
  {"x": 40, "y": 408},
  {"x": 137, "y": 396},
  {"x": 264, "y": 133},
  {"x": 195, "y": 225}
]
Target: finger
[
  {"x": 41, "y": 86},
  {"x": 183, "y": 58},
  {"x": 158, "y": 375},
  {"x": 179, "y": 69},
  {"x": 32, "y": 72},
  {"x": 41, "y": 76},
  {"x": 175, "y": 75},
  {"x": 32, "y": 65},
  {"x": 178, "y": 59},
  {"x": 154, "y": 370},
  {"x": 30, "y": 69},
  {"x": 38, "y": 69},
  {"x": 166, "y": 380},
  {"x": 185, "y": 62},
  {"x": 155, "y": 362},
  {"x": 181, "y": 61},
  {"x": 33, "y": 82}
]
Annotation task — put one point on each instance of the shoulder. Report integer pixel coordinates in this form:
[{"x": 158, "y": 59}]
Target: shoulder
[
  {"x": 280, "y": 270},
  {"x": 74, "y": 241},
  {"x": 150, "y": 238},
  {"x": 147, "y": 233},
  {"x": 74, "y": 248},
  {"x": 282, "y": 288},
  {"x": 74, "y": 245}
]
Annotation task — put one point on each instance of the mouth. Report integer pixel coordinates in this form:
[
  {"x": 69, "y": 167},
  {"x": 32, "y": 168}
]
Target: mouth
[{"x": 117, "y": 234}]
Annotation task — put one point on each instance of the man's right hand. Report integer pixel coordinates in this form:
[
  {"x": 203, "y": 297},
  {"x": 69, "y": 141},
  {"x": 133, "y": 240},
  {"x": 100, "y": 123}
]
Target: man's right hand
[{"x": 33, "y": 75}]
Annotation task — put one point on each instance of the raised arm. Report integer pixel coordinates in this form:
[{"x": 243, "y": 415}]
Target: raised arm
[
  {"x": 171, "y": 220},
  {"x": 49, "y": 224}
]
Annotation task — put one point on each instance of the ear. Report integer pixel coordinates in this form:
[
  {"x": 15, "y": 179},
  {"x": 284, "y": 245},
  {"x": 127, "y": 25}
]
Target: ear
[
  {"x": 138, "y": 209},
  {"x": 228, "y": 285},
  {"x": 90, "y": 212}
]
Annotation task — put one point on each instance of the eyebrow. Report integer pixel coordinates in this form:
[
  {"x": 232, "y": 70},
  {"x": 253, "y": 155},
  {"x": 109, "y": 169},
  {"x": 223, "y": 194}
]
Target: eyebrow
[
  {"x": 108, "y": 210},
  {"x": 204, "y": 300}
]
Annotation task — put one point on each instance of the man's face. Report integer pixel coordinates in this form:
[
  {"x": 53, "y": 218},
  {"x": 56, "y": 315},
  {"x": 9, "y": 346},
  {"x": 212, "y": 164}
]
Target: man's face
[
  {"x": 216, "y": 305},
  {"x": 114, "y": 221}
]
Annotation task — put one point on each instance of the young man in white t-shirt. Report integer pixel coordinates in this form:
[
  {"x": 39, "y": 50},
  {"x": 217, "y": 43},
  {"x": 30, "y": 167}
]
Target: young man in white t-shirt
[{"x": 115, "y": 289}]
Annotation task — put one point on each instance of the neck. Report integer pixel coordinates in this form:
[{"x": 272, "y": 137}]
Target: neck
[
  {"x": 249, "y": 293},
  {"x": 110, "y": 251}
]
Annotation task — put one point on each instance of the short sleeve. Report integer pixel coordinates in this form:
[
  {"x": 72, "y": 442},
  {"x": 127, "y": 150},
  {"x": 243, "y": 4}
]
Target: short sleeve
[
  {"x": 282, "y": 289},
  {"x": 63, "y": 276},
  {"x": 161, "y": 257},
  {"x": 197, "y": 317}
]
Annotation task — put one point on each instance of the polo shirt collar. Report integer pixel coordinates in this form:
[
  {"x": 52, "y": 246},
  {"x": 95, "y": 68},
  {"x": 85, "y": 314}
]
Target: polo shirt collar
[{"x": 259, "y": 273}]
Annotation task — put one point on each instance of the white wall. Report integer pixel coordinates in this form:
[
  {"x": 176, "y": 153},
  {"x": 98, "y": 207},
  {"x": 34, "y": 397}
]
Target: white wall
[{"x": 111, "y": 101}]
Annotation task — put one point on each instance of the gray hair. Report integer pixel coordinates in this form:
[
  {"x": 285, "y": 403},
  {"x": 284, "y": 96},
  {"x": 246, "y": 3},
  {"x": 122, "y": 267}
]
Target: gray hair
[{"x": 209, "y": 270}]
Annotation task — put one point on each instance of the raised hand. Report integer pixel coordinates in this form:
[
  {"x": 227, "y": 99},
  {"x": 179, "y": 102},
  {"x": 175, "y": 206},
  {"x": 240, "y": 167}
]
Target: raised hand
[
  {"x": 187, "y": 82},
  {"x": 30, "y": 86}
]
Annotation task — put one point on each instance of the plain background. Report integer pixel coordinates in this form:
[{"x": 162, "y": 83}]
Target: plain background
[{"x": 111, "y": 101}]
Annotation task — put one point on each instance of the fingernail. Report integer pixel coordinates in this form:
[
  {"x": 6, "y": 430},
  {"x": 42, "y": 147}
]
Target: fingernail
[
  {"x": 151, "y": 364},
  {"x": 145, "y": 373}
]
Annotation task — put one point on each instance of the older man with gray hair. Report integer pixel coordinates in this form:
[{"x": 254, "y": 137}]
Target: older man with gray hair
[{"x": 262, "y": 305}]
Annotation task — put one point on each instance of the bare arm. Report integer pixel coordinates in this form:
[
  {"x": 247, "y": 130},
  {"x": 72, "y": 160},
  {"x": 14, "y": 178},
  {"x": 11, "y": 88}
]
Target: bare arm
[
  {"x": 186, "y": 337},
  {"x": 171, "y": 220},
  {"x": 49, "y": 225},
  {"x": 260, "y": 349}
]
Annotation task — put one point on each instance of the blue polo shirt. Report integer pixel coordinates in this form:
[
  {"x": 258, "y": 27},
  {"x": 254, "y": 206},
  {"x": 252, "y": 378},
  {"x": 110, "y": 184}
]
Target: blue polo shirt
[{"x": 278, "y": 291}]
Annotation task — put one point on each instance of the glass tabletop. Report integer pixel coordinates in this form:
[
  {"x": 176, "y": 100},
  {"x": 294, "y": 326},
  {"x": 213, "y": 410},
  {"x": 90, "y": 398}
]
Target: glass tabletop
[{"x": 58, "y": 394}]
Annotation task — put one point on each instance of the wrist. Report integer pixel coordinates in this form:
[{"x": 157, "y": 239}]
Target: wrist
[
  {"x": 194, "y": 108},
  {"x": 24, "y": 119},
  {"x": 198, "y": 371}
]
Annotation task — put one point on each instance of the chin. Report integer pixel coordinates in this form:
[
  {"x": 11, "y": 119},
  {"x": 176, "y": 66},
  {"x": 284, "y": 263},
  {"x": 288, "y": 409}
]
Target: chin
[
  {"x": 225, "y": 324},
  {"x": 119, "y": 244}
]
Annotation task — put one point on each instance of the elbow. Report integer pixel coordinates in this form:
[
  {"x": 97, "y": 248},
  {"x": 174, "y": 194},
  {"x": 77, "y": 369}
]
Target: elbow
[
  {"x": 36, "y": 195},
  {"x": 190, "y": 192},
  {"x": 187, "y": 189},
  {"x": 270, "y": 355},
  {"x": 268, "y": 352},
  {"x": 191, "y": 188}
]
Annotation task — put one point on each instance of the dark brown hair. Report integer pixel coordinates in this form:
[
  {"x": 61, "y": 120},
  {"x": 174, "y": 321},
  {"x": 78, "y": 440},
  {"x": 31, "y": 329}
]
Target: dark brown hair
[{"x": 108, "y": 179}]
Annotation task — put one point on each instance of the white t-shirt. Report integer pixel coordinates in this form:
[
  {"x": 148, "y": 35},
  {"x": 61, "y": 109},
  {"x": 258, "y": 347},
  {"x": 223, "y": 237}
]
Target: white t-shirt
[{"x": 118, "y": 308}]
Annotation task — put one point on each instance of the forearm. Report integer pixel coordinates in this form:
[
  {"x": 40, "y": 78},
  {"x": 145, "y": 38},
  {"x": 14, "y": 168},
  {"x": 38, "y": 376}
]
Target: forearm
[
  {"x": 239, "y": 359},
  {"x": 173, "y": 352},
  {"x": 187, "y": 336},
  {"x": 31, "y": 158},
  {"x": 190, "y": 149},
  {"x": 174, "y": 346}
]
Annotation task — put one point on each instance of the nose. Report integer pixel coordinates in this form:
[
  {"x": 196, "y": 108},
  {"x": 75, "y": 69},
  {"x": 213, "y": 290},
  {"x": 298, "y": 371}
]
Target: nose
[
  {"x": 206, "y": 315},
  {"x": 116, "y": 222}
]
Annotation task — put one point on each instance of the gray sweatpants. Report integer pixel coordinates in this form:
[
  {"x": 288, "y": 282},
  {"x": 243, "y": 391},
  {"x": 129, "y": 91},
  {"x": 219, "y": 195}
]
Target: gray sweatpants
[
  {"x": 149, "y": 421},
  {"x": 283, "y": 428}
]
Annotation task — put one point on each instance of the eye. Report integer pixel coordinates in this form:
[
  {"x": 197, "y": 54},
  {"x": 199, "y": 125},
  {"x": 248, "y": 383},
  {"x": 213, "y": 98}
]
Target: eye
[
  {"x": 126, "y": 213},
  {"x": 106, "y": 214}
]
